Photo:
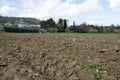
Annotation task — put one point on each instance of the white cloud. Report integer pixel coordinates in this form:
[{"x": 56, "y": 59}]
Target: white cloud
[
  {"x": 86, "y": 11},
  {"x": 103, "y": 19},
  {"x": 4, "y": 9},
  {"x": 90, "y": 5},
  {"x": 56, "y": 8},
  {"x": 91, "y": 22},
  {"x": 114, "y": 4}
]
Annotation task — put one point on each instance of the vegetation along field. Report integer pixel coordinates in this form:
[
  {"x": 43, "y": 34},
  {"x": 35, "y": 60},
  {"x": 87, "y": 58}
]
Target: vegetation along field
[{"x": 59, "y": 56}]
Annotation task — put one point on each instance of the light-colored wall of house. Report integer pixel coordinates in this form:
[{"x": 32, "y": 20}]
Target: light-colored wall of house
[
  {"x": 1, "y": 27},
  {"x": 8, "y": 24},
  {"x": 21, "y": 25},
  {"x": 34, "y": 25}
]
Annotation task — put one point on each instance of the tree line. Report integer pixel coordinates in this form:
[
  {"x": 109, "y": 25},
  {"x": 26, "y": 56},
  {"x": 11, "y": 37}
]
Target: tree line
[
  {"x": 50, "y": 25},
  {"x": 61, "y": 26}
]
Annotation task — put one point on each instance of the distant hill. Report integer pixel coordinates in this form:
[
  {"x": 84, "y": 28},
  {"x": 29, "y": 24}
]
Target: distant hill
[{"x": 12, "y": 19}]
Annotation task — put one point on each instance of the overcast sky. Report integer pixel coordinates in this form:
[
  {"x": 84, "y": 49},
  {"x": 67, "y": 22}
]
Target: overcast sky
[{"x": 100, "y": 12}]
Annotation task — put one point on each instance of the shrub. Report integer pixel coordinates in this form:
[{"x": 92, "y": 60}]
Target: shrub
[{"x": 20, "y": 29}]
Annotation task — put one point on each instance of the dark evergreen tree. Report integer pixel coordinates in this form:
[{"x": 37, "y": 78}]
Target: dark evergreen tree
[
  {"x": 43, "y": 24},
  {"x": 65, "y": 25}
]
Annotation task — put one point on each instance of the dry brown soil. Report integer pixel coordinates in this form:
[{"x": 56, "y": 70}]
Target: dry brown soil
[{"x": 58, "y": 56}]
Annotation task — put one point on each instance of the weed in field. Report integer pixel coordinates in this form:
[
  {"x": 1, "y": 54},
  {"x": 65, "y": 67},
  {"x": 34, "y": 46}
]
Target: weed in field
[
  {"x": 95, "y": 67},
  {"x": 96, "y": 75},
  {"x": 90, "y": 65}
]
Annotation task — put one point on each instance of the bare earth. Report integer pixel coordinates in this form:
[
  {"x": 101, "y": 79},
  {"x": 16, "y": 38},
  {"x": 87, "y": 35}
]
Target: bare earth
[{"x": 58, "y": 56}]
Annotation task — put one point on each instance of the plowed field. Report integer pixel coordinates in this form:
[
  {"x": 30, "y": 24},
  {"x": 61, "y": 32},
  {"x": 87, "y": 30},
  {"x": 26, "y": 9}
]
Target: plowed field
[{"x": 59, "y": 56}]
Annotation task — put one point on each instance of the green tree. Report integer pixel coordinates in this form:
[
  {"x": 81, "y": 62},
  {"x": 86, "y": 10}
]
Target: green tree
[
  {"x": 51, "y": 23},
  {"x": 112, "y": 28},
  {"x": 43, "y": 24},
  {"x": 100, "y": 29},
  {"x": 62, "y": 25},
  {"x": 84, "y": 28},
  {"x": 65, "y": 25},
  {"x": 72, "y": 27}
]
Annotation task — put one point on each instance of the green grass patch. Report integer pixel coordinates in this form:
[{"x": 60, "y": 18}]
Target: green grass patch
[
  {"x": 92, "y": 65},
  {"x": 97, "y": 75}
]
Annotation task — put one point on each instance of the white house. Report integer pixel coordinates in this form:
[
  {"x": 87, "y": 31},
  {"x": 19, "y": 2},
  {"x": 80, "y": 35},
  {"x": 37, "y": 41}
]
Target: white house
[
  {"x": 21, "y": 23},
  {"x": 35, "y": 26},
  {"x": 8, "y": 24},
  {"x": 1, "y": 27}
]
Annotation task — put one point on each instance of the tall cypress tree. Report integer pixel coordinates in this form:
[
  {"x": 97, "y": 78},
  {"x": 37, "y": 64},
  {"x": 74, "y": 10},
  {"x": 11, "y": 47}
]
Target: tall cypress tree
[{"x": 65, "y": 25}]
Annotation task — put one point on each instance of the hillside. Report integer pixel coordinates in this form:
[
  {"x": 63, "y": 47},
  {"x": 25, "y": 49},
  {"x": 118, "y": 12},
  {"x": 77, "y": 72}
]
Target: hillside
[{"x": 12, "y": 19}]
